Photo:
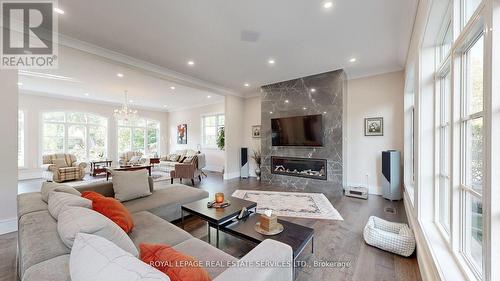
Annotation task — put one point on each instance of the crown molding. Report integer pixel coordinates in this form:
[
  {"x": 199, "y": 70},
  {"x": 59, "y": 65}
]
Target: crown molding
[{"x": 157, "y": 70}]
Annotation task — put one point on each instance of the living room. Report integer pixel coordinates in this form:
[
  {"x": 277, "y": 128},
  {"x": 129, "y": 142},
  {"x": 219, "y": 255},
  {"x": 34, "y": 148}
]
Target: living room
[{"x": 233, "y": 141}]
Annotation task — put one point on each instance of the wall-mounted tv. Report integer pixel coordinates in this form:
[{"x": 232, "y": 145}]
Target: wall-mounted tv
[{"x": 297, "y": 131}]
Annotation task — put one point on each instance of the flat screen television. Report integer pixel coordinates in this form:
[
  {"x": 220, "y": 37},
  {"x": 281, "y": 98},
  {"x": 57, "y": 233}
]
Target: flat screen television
[{"x": 297, "y": 131}]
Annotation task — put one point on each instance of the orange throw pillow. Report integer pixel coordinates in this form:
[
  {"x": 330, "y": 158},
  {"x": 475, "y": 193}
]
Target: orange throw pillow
[
  {"x": 111, "y": 208},
  {"x": 178, "y": 266}
]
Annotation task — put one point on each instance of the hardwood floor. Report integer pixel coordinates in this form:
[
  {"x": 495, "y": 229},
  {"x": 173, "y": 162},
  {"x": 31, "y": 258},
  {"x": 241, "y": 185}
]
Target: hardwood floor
[{"x": 335, "y": 241}]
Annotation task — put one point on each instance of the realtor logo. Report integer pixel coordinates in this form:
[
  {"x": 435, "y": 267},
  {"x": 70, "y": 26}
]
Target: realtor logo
[{"x": 29, "y": 35}]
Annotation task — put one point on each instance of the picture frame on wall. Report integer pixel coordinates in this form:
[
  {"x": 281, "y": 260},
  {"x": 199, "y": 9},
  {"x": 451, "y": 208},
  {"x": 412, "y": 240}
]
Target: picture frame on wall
[
  {"x": 374, "y": 126},
  {"x": 256, "y": 131},
  {"x": 182, "y": 134}
]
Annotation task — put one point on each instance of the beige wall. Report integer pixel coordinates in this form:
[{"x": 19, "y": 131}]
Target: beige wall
[
  {"x": 8, "y": 150},
  {"x": 374, "y": 96},
  {"x": 192, "y": 117},
  {"x": 34, "y": 106}
]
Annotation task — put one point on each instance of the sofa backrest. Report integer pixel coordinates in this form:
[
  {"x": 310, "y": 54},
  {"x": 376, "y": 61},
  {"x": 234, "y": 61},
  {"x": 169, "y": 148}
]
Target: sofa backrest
[
  {"x": 106, "y": 187},
  {"x": 69, "y": 158}
]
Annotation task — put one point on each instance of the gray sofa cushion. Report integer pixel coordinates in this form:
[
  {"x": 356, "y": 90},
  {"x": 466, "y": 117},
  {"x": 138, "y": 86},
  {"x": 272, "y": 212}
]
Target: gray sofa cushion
[
  {"x": 54, "y": 269},
  {"x": 48, "y": 187},
  {"x": 129, "y": 185},
  {"x": 38, "y": 239},
  {"x": 204, "y": 252},
  {"x": 166, "y": 203},
  {"x": 151, "y": 229},
  {"x": 29, "y": 203}
]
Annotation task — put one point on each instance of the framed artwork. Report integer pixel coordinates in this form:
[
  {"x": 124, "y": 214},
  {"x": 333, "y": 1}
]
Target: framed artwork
[
  {"x": 256, "y": 131},
  {"x": 374, "y": 126},
  {"x": 182, "y": 134}
]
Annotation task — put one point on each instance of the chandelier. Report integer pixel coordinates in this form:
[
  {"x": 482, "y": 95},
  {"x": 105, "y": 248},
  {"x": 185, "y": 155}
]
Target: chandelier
[{"x": 125, "y": 113}]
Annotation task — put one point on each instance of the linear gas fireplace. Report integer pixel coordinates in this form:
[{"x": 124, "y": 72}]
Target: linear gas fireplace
[{"x": 299, "y": 167}]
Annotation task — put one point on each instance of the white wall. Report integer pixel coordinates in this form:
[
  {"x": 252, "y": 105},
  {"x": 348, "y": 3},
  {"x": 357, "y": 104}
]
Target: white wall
[
  {"x": 34, "y": 106},
  {"x": 235, "y": 108},
  {"x": 374, "y": 96},
  {"x": 192, "y": 117},
  {"x": 8, "y": 150},
  {"x": 251, "y": 117}
]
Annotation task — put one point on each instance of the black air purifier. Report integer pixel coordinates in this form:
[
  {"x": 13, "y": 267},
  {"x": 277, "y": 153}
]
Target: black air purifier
[{"x": 391, "y": 175}]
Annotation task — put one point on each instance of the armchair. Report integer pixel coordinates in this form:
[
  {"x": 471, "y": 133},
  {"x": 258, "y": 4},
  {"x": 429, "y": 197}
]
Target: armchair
[
  {"x": 61, "y": 167},
  {"x": 127, "y": 156},
  {"x": 189, "y": 169}
]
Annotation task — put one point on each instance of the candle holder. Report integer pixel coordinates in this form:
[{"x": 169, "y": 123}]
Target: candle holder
[{"x": 219, "y": 197}]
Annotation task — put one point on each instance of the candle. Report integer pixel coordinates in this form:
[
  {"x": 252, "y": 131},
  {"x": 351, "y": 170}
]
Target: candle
[{"x": 219, "y": 197}]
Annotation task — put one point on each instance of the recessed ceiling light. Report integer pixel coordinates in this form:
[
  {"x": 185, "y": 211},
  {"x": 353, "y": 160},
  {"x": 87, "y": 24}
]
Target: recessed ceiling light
[
  {"x": 312, "y": 90},
  {"x": 59, "y": 11},
  {"x": 304, "y": 108},
  {"x": 119, "y": 75},
  {"x": 173, "y": 88},
  {"x": 165, "y": 105},
  {"x": 209, "y": 97},
  {"x": 130, "y": 101},
  {"x": 246, "y": 85},
  {"x": 19, "y": 84},
  {"x": 271, "y": 61},
  {"x": 352, "y": 60},
  {"x": 270, "y": 112},
  {"x": 86, "y": 94},
  {"x": 324, "y": 112},
  {"x": 190, "y": 62},
  {"x": 328, "y": 4},
  {"x": 287, "y": 101}
]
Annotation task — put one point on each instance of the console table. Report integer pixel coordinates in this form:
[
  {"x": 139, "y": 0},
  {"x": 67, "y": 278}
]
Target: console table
[{"x": 99, "y": 166}]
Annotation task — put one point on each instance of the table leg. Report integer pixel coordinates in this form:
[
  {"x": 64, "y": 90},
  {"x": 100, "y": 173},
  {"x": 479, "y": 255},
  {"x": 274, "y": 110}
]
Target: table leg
[
  {"x": 312, "y": 245},
  {"x": 182, "y": 219},
  {"x": 208, "y": 224},
  {"x": 149, "y": 171},
  {"x": 217, "y": 242},
  {"x": 107, "y": 175}
]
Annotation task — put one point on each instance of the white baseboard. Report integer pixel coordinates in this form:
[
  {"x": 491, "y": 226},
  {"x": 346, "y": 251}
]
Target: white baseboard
[
  {"x": 8, "y": 225},
  {"x": 428, "y": 270},
  {"x": 228, "y": 176}
]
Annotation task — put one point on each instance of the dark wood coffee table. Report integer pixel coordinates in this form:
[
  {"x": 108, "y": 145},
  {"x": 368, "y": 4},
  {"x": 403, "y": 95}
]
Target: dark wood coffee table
[
  {"x": 109, "y": 170},
  {"x": 215, "y": 217},
  {"x": 295, "y": 235}
]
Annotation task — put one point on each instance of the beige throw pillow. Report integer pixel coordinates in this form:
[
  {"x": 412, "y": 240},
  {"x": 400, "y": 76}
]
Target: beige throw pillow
[
  {"x": 76, "y": 220},
  {"x": 60, "y": 201},
  {"x": 48, "y": 187},
  {"x": 130, "y": 185},
  {"x": 60, "y": 163}
]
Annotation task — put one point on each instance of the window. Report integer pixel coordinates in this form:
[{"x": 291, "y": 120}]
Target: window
[
  {"x": 210, "y": 128},
  {"x": 469, "y": 7},
  {"x": 409, "y": 133},
  {"x": 81, "y": 134},
  {"x": 20, "y": 139},
  {"x": 472, "y": 159},
  {"x": 444, "y": 149},
  {"x": 139, "y": 135}
]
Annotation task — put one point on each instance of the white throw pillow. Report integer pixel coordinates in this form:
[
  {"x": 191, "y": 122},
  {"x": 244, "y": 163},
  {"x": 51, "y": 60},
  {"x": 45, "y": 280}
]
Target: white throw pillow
[
  {"x": 130, "y": 185},
  {"x": 75, "y": 220},
  {"x": 135, "y": 160},
  {"x": 59, "y": 201},
  {"x": 47, "y": 187},
  {"x": 95, "y": 258}
]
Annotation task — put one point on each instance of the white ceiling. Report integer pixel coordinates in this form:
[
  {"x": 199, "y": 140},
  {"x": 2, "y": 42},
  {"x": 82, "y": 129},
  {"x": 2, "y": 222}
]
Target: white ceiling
[
  {"x": 303, "y": 37},
  {"x": 84, "y": 76}
]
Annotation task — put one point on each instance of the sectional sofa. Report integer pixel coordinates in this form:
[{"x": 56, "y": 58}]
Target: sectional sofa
[{"x": 43, "y": 256}]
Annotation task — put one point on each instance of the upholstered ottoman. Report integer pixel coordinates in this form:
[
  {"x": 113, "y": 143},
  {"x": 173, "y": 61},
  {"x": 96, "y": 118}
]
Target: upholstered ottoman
[{"x": 389, "y": 236}]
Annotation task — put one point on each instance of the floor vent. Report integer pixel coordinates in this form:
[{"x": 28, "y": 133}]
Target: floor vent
[{"x": 390, "y": 210}]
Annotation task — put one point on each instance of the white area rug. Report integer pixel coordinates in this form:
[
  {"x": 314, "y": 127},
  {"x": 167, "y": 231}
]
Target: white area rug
[{"x": 291, "y": 204}]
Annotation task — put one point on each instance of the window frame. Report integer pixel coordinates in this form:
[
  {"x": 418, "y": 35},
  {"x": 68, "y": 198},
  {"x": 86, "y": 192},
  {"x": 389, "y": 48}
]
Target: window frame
[
  {"x": 146, "y": 127},
  {"x": 217, "y": 127},
  {"x": 67, "y": 124}
]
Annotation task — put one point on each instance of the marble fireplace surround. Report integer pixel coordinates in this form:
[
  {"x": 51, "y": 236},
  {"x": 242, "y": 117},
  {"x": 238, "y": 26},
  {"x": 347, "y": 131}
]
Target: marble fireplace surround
[{"x": 316, "y": 94}]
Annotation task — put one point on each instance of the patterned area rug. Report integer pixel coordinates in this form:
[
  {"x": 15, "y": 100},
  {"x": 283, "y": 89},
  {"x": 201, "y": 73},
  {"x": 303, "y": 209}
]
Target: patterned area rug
[{"x": 291, "y": 204}]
